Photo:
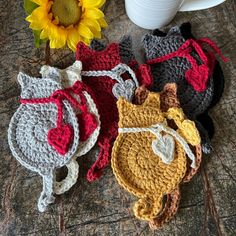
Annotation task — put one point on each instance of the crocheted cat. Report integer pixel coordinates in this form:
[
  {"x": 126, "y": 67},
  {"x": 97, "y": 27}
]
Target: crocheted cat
[
  {"x": 89, "y": 127},
  {"x": 175, "y": 59},
  {"x": 105, "y": 73},
  {"x": 43, "y": 133},
  {"x": 148, "y": 156}
]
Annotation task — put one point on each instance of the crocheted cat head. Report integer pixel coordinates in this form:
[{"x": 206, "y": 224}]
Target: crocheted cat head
[
  {"x": 148, "y": 157},
  {"x": 174, "y": 67},
  {"x": 125, "y": 48},
  {"x": 43, "y": 133}
]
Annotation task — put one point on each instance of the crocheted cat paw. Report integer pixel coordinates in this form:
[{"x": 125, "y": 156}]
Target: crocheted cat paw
[
  {"x": 108, "y": 77},
  {"x": 140, "y": 159},
  {"x": 40, "y": 132},
  {"x": 87, "y": 115}
]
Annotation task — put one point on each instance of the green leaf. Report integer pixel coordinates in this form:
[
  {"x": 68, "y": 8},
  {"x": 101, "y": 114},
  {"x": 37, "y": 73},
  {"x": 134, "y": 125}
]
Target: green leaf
[
  {"x": 37, "y": 40},
  {"x": 29, "y": 6}
]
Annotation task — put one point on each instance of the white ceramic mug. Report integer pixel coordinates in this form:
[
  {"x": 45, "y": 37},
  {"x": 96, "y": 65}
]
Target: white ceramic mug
[{"x": 152, "y": 14}]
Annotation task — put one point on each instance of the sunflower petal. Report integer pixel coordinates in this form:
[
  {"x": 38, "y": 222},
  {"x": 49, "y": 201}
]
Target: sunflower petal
[
  {"x": 92, "y": 3},
  {"x": 73, "y": 39},
  {"x": 57, "y": 36},
  {"x": 91, "y": 23},
  {"x": 102, "y": 22},
  {"x": 44, "y": 34},
  {"x": 85, "y": 31},
  {"x": 93, "y": 13},
  {"x": 40, "y": 2}
]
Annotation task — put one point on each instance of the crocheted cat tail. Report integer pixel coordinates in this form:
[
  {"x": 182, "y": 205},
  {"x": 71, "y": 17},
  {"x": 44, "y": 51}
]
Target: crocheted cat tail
[
  {"x": 170, "y": 60},
  {"x": 43, "y": 133},
  {"x": 105, "y": 73},
  {"x": 87, "y": 115},
  {"x": 148, "y": 156}
]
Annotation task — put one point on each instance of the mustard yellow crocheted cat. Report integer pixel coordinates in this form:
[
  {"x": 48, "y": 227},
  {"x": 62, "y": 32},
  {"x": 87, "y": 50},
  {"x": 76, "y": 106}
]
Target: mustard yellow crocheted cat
[{"x": 149, "y": 158}]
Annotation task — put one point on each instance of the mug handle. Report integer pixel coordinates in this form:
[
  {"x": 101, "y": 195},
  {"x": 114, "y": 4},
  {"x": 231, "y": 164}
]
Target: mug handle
[{"x": 193, "y": 5}]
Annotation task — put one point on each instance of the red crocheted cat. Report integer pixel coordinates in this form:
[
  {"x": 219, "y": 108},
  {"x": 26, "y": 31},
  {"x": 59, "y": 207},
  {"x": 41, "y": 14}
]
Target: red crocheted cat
[{"x": 102, "y": 90}]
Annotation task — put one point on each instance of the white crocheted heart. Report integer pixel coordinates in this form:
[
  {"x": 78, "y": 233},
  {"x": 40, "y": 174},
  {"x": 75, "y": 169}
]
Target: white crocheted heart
[
  {"x": 125, "y": 89},
  {"x": 164, "y": 148}
]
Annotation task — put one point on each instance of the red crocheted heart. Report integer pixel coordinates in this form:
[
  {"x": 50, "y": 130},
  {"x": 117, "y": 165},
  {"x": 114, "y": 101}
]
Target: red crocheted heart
[
  {"x": 87, "y": 125},
  {"x": 198, "y": 77},
  {"x": 60, "y": 138}
]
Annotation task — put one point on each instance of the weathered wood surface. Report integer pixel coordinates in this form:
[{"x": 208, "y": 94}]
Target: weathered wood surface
[{"x": 208, "y": 204}]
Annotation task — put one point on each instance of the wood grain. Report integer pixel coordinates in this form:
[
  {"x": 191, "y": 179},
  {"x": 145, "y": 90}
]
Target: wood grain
[{"x": 103, "y": 208}]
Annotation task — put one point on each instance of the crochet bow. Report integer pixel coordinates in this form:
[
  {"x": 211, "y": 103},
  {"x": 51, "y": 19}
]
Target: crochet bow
[{"x": 198, "y": 75}]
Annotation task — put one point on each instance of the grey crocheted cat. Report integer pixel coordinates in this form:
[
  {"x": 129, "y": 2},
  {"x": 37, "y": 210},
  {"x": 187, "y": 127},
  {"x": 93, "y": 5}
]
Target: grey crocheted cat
[
  {"x": 28, "y": 133},
  {"x": 173, "y": 70}
]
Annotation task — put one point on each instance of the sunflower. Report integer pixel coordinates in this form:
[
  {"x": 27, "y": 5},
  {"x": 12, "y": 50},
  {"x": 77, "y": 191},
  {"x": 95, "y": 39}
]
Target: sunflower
[{"x": 67, "y": 21}]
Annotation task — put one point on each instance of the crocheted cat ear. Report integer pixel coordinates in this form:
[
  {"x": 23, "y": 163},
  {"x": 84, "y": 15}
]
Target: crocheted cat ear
[
  {"x": 148, "y": 41},
  {"x": 174, "y": 31},
  {"x": 50, "y": 72},
  {"x": 186, "y": 30},
  {"x": 23, "y": 79},
  {"x": 125, "y": 49},
  {"x": 169, "y": 97},
  {"x": 72, "y": 74},
  {"x": 97, "y": 45}
]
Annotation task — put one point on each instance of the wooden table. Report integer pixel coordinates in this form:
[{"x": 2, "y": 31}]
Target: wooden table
[{"x": 208, "y": 204}]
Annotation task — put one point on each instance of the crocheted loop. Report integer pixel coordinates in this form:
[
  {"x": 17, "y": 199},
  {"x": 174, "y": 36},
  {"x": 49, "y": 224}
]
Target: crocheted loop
[
  {"x": 71, "y": 178},
  {"x": 147, "y": 209}
]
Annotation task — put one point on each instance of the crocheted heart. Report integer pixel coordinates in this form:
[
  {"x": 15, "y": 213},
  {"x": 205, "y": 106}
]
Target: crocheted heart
[
  {"x": 198, "y": 77},
  {"x": 164, "y": 148},
  {"x": 189, "y": 132},
  {"x": 125, "y": 90},
  {"x": 60, "y": 138},
  {"x": 88, "y": 124}
]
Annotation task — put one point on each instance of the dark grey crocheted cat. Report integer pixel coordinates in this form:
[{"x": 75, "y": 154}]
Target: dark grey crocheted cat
[{"x": 173, "y": 70}]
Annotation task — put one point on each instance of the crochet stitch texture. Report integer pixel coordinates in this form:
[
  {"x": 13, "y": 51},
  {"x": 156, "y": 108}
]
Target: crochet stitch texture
[
  {"x": 168, "y": 98},
  {"x": 31, "y": 124},
  {"x": 135, "y": 165},
  {"x": 89, "y": 123},
  {"x": 94, "y": 65},
  {"x": 173, "y": 60}
]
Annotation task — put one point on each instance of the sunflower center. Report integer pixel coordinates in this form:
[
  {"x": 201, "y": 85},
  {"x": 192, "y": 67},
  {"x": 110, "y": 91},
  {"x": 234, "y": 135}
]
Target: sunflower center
[{"x": 67, "y": 11}]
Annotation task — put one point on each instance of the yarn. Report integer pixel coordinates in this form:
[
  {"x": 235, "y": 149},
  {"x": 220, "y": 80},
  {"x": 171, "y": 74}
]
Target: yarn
[
  {"x": 135, "y": 165},
  {"x": 42, "y": 110},
  {"x": 170, "y": 51},
  {"x": 99, "y": 70},
  {"x": 89, "y": 121}
]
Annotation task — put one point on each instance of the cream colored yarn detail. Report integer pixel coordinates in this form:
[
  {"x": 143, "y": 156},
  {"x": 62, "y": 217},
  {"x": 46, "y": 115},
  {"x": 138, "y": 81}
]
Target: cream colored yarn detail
[{"x": 69, "y": 76}]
